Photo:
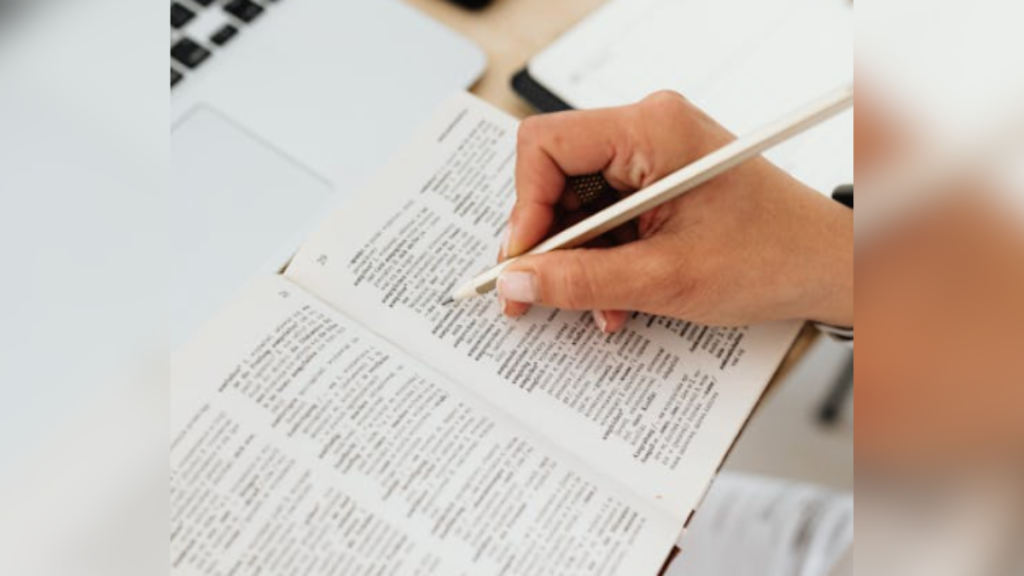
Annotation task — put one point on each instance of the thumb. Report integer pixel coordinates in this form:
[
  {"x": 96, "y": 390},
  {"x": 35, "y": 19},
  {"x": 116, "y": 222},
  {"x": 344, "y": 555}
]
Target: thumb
[{"x": 618, "y": 278}]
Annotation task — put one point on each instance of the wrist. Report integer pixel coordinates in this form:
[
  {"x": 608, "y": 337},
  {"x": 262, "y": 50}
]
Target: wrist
[{"x": 832, "y": 302}]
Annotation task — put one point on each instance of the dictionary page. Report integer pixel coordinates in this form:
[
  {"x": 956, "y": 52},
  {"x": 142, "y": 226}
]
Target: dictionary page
[
  {"x": 655, "y": 406},
  {"x": 301, "y": 443}
]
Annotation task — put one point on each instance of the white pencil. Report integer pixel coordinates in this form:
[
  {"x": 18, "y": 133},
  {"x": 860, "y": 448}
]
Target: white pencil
[{"x": 676, "y": 184}]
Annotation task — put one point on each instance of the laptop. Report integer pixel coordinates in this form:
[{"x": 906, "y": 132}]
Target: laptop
[
  {"x": 280, "y": 110},
  {"x": 269, "y": 131}
]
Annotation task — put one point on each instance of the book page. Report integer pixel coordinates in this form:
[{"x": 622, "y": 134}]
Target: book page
[
  {"x": 786, "y": 529},
  {"x": 655, "y": 406},
  {"x": 303, "y": 444}
]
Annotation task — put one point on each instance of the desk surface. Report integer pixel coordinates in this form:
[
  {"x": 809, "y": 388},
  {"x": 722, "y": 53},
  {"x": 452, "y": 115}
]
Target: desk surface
[{"x": 511, "y": 32}]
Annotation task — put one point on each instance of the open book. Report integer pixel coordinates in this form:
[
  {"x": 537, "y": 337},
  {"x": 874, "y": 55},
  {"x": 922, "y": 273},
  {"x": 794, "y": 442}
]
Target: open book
[{"x": 339, "y": 419}]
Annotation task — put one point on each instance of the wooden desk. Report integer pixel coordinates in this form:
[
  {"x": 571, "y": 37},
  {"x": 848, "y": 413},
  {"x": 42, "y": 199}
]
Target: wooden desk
[
  {"x": 510, "y": 32},
  {"x": 513, "y": 31}
]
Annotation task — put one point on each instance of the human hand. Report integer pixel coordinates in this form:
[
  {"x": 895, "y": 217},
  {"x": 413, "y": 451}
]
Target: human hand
[{"x": 751, "y": 245}]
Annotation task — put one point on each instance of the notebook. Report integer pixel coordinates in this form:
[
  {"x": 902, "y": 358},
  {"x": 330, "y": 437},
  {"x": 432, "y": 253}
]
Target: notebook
[
  {"x": 741, "y": 61},
  {"x": 339, "y": 419}
]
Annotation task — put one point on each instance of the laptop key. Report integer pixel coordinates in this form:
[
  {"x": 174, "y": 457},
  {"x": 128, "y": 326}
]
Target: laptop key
[
  {"x": 244, "y": 10},
  {"x": 180, "y": 15},
  {"x": 189, "y": 53},
  {"x": 224, "y": 35},
  {"x": 175, "y": 77}
]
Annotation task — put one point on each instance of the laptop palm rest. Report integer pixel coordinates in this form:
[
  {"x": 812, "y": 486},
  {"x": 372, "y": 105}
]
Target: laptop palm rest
[{"x": 239, "y": 208}]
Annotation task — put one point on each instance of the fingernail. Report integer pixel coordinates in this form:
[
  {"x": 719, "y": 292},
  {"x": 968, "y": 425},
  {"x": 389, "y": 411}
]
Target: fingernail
[
  {"x": 503, "y": 305},
  {"x": 601, "y": 321},
  {"x": 519, "y": 287}
]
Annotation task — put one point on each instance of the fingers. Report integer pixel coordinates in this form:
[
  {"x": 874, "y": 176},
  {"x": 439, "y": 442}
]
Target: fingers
[
  {"x": 631, "y": 146},
  {"x": 627, "y": 277},
  {"x": 550, "y": 147}
]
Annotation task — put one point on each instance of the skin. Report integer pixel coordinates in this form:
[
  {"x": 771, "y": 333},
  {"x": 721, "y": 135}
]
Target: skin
[{"x": 722, "y": 254}]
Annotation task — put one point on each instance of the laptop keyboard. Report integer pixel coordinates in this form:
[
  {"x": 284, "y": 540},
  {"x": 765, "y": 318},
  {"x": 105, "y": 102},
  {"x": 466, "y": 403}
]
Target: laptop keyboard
[{"x": 199, "y": 28}]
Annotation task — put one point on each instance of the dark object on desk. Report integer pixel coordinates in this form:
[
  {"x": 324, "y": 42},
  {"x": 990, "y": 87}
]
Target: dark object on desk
[
  {"x": 592, "y": 192},
  {"x": 834, "y": 403},
  {"x": 844, "y": 195},
  {"x": 842, "y": 387},
  {"x": 472, "y": 4},
  {"x": 537, "y": 95}
]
